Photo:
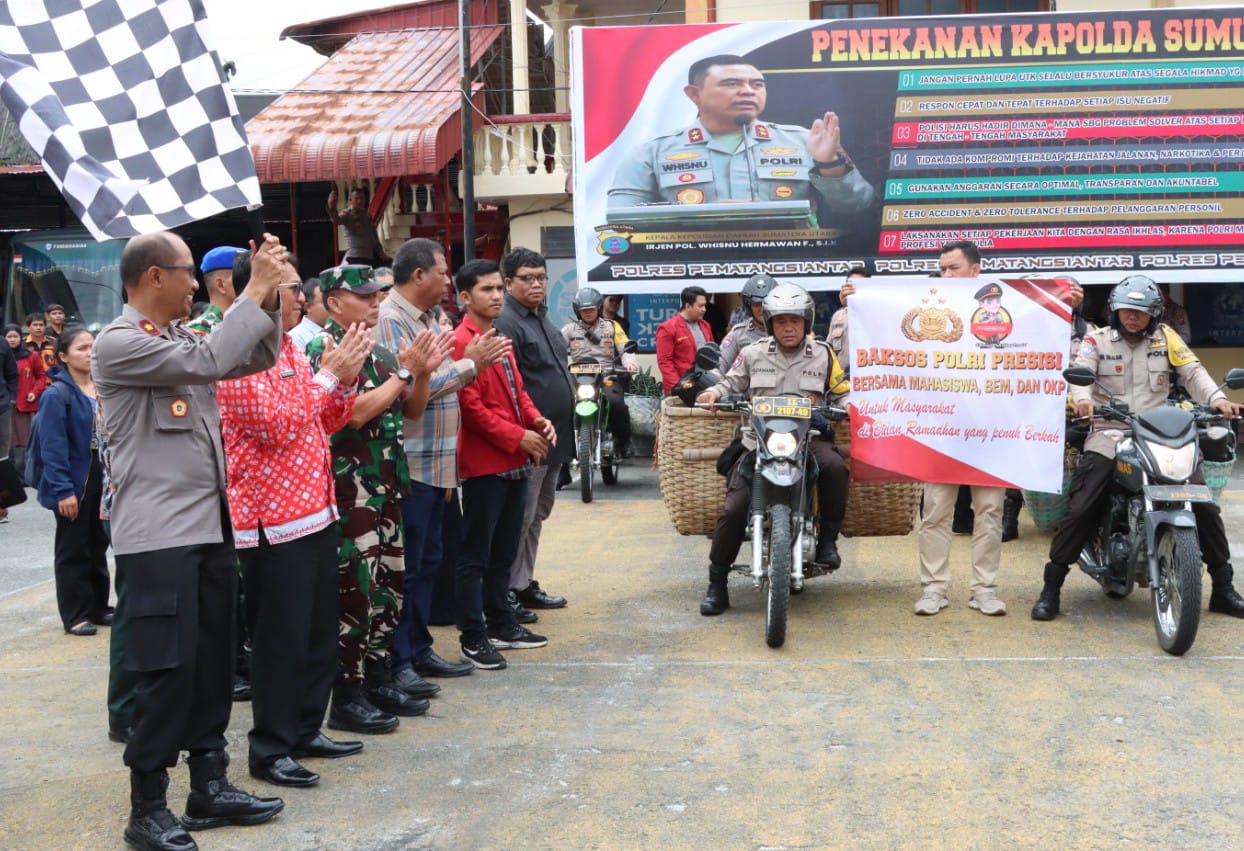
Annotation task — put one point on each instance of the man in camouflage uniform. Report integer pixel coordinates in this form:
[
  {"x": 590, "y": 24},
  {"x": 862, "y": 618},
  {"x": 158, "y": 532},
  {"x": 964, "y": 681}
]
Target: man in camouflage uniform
[
  {"x": 592, "y": 337},
  {"x": 729, "y": 155},
  {"x": 217, "y": 269},
  {"x": 370, "y": 473},
  {"x": 742, "y": 334}
]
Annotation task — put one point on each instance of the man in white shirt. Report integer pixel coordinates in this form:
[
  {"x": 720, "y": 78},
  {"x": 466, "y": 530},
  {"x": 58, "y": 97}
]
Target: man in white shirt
[{"x": 313, "y": 316}]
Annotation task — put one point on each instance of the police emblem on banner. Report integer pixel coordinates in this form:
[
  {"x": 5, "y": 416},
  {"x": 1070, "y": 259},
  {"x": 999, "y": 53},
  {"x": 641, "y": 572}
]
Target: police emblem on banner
[
  {"x": 690, "y": 195},
  {"x": 932, "y": 321}
]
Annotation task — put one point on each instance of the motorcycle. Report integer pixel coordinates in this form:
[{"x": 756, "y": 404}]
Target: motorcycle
[
  {"x": 1147, "y": 532},
  {"x": 782, "y": 523},
  {"x": 594, "y": 442}
]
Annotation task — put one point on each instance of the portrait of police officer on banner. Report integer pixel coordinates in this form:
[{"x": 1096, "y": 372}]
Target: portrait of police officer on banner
[
  {"x": 729, "y": 154},
  {"x": 991, "y": 322}
]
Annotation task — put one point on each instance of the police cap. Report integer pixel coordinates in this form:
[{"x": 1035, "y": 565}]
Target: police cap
[{"x": 987, "y": 291}]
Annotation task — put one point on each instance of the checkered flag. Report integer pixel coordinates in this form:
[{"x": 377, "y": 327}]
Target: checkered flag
[{"x": 126, "y": 104}]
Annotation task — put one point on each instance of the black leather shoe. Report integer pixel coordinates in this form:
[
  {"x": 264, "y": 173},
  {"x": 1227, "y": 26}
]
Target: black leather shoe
[
  {"x": 1046, "y": 607},
  {"x": 534, "y": 598},
  {"x": 359, "y": 716},
  {"x": 827, "y": 554},
  {"x": 1225, "y": 601},
  {"x": 434, "y": 666},
  {"x": 158, "y": 831},
  {"x": 325, "y": 748},
  {"x": 215, "y": 802},
  {"x": 284, "y": 771},
  {"x": 522, "y": 615},
  {"x": 388, "y": 698},
  {"x": 413, "y": 684},
  {"x": 120, "y": 735},
  {"x": 241, "y": 690},
  {"x": 104, "y": 619}
]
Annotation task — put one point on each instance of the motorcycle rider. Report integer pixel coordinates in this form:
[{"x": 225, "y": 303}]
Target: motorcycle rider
[
  {"x": 786, "y": 361},
  {"x": 1136, "y": 359},
  {"x": 592, "y": 337},
  {"x": 743, "y": 334}
]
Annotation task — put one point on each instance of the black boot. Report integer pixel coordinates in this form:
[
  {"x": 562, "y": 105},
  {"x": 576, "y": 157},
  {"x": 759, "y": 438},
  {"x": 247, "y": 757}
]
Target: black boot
[
  {"x": 827, "y": 547},
  {"x": 717, "y": 597},
  {"x": 152, "y": 827},
  {"x": 1010, "y": 514},
  {"x": 215, "y": 802},
  {"x": 1046, "y": 607},
  {"x": 1223, "y": 598}
]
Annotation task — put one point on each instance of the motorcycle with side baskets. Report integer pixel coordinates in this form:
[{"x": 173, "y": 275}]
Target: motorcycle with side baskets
[
  {"x": 1147, "y": 532},
  {"x": 782, "y": 524}
]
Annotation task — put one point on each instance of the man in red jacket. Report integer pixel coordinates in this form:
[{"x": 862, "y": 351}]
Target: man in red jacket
[
  {"x": 502, "y": 434},
  {"x": 681, "y": 335}
]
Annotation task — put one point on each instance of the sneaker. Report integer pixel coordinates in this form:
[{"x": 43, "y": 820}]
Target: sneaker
[
  {"x": 518, "y": 638},
  {"x": 987, "y": 603},
  {"x": 931, "y": 602},
  {"x": 482, "y": 654}
]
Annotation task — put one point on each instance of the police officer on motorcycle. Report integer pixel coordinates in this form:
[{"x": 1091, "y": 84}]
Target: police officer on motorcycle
[
  {"x": 786, "y": 361},
  {"x": 592, "y": 337},
  {"x": 743, "y": 334},
  {"x": 1136, "y": 359}
]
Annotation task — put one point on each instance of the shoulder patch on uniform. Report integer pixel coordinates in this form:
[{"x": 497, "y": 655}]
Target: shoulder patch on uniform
[
  {"x": 1177, "y": 351},
  {"x": 148, "y": 326},
  {"x": 762, "y": 131},
  {"x": 695, "y": 134},
  {"x": 1087, "y": 346}
]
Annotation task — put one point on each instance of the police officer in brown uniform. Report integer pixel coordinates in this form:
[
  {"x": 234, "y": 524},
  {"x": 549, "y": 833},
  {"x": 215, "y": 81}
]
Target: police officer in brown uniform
[
  {"x": 170, "y": 527},
  {"x": 787, "y": 361},
  {"x": 592, "y": 337},
  {"x": 1135, "y": 358},
  {"x": 743, "y": 334}
]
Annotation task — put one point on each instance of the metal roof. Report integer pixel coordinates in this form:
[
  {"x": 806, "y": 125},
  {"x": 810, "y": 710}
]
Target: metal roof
[{"x": 384, "y": 105}]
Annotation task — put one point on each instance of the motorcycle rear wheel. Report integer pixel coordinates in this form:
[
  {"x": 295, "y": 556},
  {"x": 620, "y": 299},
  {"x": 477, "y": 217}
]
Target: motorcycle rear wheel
[
  {"x": 778, "y": 602},
  {"x": 585, "y": 461},
  {"x": 1176, "y": 595}
]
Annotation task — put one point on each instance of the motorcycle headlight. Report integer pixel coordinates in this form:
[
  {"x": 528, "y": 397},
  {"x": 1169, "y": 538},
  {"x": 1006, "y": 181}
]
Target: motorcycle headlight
[
  {"x": 781, "y": 444},
  {"x": 1174, "y": 464},
  {"x": 585, "y": 392}
]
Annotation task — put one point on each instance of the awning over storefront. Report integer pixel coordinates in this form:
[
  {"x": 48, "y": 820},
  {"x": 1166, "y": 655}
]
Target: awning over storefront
[{"x": 384, "y": 105}]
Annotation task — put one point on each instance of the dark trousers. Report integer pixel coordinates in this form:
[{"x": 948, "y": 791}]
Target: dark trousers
[
  {"x": 180, "y": 604},
  {"x": 291, "y": 601},
  {"x": 831, "y": 487},
  {"x": 81, "y": 549},
  {"x": 423, "y": 518},
  {"x": 619, "y": 414},
  {"x": 443, "y": 605},
  {"x": 492, "y": 521},
  {"x": 122, "y": 682},
  {"x": 1090, "y": 486}
]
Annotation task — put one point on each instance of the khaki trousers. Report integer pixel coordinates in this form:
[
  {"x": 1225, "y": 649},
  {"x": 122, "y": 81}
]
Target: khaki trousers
[{"x": 935, "y": 534}]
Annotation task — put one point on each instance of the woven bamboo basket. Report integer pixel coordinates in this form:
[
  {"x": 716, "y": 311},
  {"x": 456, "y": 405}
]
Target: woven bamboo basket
[
  {"x": 688, "y": 443},
  {"x": 877, "y": 508}
]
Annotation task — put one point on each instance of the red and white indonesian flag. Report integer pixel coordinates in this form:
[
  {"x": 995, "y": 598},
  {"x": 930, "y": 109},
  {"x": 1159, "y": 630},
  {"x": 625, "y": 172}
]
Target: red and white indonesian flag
[{"x": 959, "y": 381}]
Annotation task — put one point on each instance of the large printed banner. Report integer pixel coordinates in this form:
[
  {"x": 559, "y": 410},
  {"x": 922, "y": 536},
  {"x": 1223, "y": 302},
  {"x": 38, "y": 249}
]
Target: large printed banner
[
  {"x": 959, "y": 381},
  {"x": 1089, "y": 143}
]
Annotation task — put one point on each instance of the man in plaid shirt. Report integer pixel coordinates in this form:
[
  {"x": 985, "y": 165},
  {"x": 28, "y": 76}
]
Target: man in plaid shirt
[{"x": 421, "y": 274}]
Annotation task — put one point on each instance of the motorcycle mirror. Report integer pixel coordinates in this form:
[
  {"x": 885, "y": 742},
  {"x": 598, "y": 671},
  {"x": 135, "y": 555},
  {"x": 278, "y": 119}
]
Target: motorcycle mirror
[
  {"x": 1082, "y": 376},
  {"x": 708, "y": 356},
  {"x": 1234, "y": 379}
]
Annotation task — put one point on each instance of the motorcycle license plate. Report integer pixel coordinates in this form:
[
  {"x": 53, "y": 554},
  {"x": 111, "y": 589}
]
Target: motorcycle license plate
[
  {"x": 1179, "y": 493},
  {"x": 782, "y": 406},
  {"x": 585, "y": 368}
]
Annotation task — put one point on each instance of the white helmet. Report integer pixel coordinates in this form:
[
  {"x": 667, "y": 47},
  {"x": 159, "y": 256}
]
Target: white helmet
[{"x": 788, "y": 299}]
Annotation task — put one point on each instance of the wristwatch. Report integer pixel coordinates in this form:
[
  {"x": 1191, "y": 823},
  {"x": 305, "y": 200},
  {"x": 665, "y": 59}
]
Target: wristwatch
[
  {"x": 841, "y": 160},
  {"x": 405, "y": 375}
]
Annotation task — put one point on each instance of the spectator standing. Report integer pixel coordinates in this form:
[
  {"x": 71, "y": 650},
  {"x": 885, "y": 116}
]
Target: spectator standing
[
  {"x": 680, "y": 336},
  {"x": 31, "y": 381},
  {"x": 431, "y": 445},
  {"x": 9, "y": 389},
  {"x": 37, "y": 339},
  {"x": 370, "y": 477},
  {"x": 362, "y": 241},
  {"x": 217, "y": 269},
  {"x": 313, "y": 315},
  {"x": 612, "y": 310},
  {"x": 503, "y": 435},
  {"x": 55, "y": 314},
  {"x": 170, "y": 526},
  {"x": 276, "y": 425},
  {"x": 540, "y": 351},
  {"x": 69, "y": 484}
]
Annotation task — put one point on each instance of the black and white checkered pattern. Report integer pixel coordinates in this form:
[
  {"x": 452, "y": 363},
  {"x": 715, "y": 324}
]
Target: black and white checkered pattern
[{"x": 125, "y": 102}]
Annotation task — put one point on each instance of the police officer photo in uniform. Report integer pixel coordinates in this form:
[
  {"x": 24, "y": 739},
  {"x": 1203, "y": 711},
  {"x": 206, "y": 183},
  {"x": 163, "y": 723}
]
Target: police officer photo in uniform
[{"x": 728, "y": 154}]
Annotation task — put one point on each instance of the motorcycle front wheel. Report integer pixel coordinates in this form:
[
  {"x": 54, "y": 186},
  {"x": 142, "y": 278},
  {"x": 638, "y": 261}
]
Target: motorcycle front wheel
[
  {"x": 585, "y": 461},
  {"x": 778, "y": 601},
  {"x": 608, "y": 459},
  {"x": 1177, "y": 593}
]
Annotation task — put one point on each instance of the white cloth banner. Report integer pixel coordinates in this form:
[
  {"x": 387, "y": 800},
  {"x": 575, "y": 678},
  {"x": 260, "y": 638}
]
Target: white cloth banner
[{"x": 959, "y": 380}]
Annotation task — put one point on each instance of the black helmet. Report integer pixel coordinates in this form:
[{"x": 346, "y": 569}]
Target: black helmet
[
  {"x": 757, "y": 287},
  {"x": 1136, "y": 292},
  {"x": 585, "y": 299}
]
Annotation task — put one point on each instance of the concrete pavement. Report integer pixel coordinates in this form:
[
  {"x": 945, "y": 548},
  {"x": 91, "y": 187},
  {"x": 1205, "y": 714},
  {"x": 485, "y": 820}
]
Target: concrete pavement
[{"x": 644, "y": 725}]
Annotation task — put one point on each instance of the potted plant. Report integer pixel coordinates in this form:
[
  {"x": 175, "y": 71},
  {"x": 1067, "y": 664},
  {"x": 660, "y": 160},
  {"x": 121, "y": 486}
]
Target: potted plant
[{"x": 644, "y": 401}]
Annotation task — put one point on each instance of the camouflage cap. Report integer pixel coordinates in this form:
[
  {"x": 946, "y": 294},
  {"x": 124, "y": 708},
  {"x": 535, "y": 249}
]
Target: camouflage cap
[{"x": 360, "y": 280}]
